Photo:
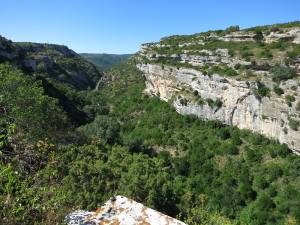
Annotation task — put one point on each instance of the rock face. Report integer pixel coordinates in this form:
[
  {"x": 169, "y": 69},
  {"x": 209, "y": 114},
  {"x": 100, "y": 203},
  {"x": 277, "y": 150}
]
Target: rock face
[
  {"x": 123, "y": 211},
  {"x": 289, "y": 34},
  {"x": 237, "y": 103},
  {"x": 245, "y": 78},
  {"x": 292, "y": 35},
  {"x": 55, "y": 61}
]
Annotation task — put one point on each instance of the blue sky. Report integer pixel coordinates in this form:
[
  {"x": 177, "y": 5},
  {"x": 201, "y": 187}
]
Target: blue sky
[{"x": 120, "y": 26}]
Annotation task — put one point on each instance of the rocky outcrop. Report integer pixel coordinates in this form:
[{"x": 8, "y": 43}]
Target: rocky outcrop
[
  {"x": 289, "y": 34},
  {"x": 226, "y": 99},
  {"x": 292, "y": 35},
  {"x": 201, "y": 58},
  {"x": 246, "y": 78},
  {"x": 123, "y": 211},
  {"x": 55, "y": 61}
]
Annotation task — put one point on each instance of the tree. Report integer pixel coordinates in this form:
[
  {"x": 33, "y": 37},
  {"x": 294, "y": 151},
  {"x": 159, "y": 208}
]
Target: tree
[
  {"x": 103, "y": 127},
  {"x": 232, "y": 29},
  {"x": 34, "y": 114}
]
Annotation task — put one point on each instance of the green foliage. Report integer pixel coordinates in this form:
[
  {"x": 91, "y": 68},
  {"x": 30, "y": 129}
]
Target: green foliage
[
  {"x": 6, "y": 132},
  {"x": 232, "y": 29},
  {"x": 219, "y": 161},
  {"x": 225, "y": 70},
  {"x": 246, "y": 54},
  {"x": 293, "y": 54},
  {"x": 294, "y": 124},
  {"x": 278, "y": 90},
  {"x": 35, "y": 115},
  {"x": 289, "y": 99},
  {"x": 258, "y": 35},
  {"x": 280, "y": 73},
  {"x": 183, "y": 101},
  {"x": 94, "y": 105},
  {"x": 201, "y": 216},
  {"x": 213, "y": 174},
  {"x": 90, "y": 176},
  {"x": 217, "y": 103},
  {"x": 261, "y": 90},
  {"x": 266, "y": 53},
  {"x": 104, "y": 128}
]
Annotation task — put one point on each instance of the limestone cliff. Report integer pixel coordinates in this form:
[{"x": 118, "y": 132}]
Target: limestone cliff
[
  {"x": 213, "y": 80},
  {"x": 123, "y": 211}
]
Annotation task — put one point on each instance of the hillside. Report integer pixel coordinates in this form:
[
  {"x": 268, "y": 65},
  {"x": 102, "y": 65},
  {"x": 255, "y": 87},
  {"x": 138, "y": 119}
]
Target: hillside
[
  {"x": 55, "y": 61},
  {"x": 189, "y": 165},
  {"x": 105, "y": 61},
  {"x": 61, "y": 71},
  {"x": 246, "y": 78}
]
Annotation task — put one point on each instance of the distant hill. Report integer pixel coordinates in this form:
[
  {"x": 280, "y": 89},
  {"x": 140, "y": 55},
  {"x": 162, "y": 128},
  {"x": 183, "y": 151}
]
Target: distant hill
[
  {"x": 105, "y": 61},
  {"x": 61, "y": 72},
  {"x": 51, "y": 61}
]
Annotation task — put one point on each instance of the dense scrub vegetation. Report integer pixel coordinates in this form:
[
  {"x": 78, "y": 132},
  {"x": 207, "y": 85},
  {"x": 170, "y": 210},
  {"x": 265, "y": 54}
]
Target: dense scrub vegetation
[{"x": 137, "y": 146}]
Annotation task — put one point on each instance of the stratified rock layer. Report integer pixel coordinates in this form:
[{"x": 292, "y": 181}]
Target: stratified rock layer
[
  {"x": 240, "y": 106},
  {"x": 123, "y": 211}
]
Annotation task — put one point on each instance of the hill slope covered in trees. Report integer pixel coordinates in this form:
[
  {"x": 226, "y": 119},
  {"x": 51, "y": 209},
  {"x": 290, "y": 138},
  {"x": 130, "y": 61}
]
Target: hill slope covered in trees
[{"x": 132, "y": 144}]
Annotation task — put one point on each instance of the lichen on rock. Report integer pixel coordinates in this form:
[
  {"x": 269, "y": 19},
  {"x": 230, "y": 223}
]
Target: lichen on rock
[{"x": 123, "y": 211}]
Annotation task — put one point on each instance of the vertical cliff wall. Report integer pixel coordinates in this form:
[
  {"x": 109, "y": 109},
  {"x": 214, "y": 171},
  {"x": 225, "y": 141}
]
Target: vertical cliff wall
[{"x": 225, "y": 99}]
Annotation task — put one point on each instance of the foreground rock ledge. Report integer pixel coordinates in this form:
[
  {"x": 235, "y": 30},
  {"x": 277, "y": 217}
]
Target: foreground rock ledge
[{"x": 123, "y": 211}]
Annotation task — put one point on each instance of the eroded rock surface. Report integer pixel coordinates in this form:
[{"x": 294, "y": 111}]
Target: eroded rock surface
[
  {"x": 123, "y": 211},
  {"x": 239, "y": 77},
  {"x": 238, "y": 104}
]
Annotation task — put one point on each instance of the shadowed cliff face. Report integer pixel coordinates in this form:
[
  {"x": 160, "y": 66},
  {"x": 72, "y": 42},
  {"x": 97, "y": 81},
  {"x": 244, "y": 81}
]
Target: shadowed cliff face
[
  {"x": 57, "y": 67},
  {"x": 53, "y": 61},
  {"x": 215, "y": 77}
]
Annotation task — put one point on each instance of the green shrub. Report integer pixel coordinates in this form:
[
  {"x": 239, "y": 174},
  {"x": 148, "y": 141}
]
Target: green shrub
[
  {"x": 261, "y": 90},
  {"x": 232, "y": 29},
  {"x": 246, "y": 54},
  {"x": 200, "y": 215},
  {"x": 237, "y": 66},
  {"x": 266, "y": 54},
  {"x": 278, "y": 90},
  {"x": 294, "y": 124},
  {"x": 280, "y": 73},
  {"x": 274, "y": 29},
  {"x": 289, "y": 99},
  {"x": 218, "y": 103},
  {"x": 279, "y": 151},
  {"x": 231, "y": 52},
  {"x": 294, "y": 53},
  {"x": 183, "y": 101},
  {"x": 258, "y": 36},
  {"x": 226, "y": 70},
  {"x": 210, "y": 102},
  {"x": 104, "y": 128}
]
